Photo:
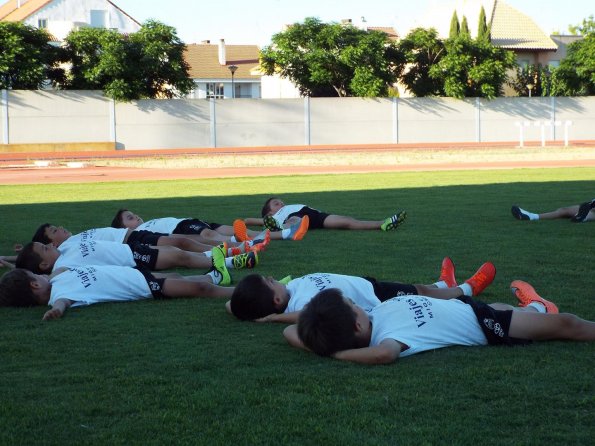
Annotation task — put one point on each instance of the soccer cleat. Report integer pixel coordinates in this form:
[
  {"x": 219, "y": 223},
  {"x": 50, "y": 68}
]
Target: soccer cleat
[
  {"x": 219, "y": 269},
  {"x": 260, "y": 242},
  {"x": 517, "y": 213},
  {"x": 447, "y": 273},
  {"x": 298, "y": 230},
  {"x": 271, "y": 224},
  {"x": 240, "y": 230},
  {"x": 482, "y": 278},
  {"x": 526, "y": 294},
  {"x": 393, "y": 222},
  {"x": 583, "y": 211},
  {"x": 246, "y": 260}
]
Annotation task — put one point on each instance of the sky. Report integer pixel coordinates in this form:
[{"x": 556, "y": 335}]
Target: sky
[{"x": 254, "y": 22}]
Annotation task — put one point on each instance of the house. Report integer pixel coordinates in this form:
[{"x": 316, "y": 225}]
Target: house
[
  {"x": 224, "y": 71},
  {"x": 59, "y": 17}
]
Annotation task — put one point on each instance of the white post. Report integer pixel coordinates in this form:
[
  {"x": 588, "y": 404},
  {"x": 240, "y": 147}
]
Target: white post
[
  {"x": 521, "y": 125},
  {"x": 307, "y": 139},
  {"x": 567, "y": 124},
  {"x": 4, "y": 113}
]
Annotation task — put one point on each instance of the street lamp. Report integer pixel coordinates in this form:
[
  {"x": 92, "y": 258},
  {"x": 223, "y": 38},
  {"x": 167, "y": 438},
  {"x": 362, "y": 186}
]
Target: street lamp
[
  {"x": 530, "y": 87},
  {"x": 233, "y": 69}
]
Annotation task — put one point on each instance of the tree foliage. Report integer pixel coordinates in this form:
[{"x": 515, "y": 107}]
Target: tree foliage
[
  {"x": 332, "y": 59},
  {"x": 586, "y": 27},
  {"x": 483, "y": 31},
  {"x": 27, "y": 59},
  {"x": 538, "y": 76},
  {"x": 146, "y": 64},
  {"x": 455, "y": 27},
  {"x": 465, "y": 28},
  {"x": 422, "y": 49},
  {"x": 576, "y": 74},
  {"x": 472, "y": 68}
]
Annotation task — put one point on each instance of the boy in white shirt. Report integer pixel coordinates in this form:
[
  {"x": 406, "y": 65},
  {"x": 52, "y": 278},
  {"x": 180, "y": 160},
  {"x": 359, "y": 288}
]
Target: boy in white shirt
[
  {"x": 266, "y": 300},
  {"x": 332, "y": 325},
  {"x": 87, "y": 285}
]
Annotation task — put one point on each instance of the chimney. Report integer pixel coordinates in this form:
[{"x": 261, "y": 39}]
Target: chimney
[
  {"x": 222, "y": 58},
  {"x": 205, "y": 42}
]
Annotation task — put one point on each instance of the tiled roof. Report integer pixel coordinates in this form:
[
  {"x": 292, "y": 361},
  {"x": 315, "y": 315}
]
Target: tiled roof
[
  {"x": 10, "y": 12},
  {"x": 513, "y": 30},
  {"x": 389, "y": 31},
  {"x": 204, "y": 61}
]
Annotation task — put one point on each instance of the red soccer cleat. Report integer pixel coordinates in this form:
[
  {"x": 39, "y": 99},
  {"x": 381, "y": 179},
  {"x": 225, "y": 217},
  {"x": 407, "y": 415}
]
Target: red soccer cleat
[
  {"x": 447, "y": 273},
  {"x": 482, "y": 278},
  {"x": 526, "y": 294}
]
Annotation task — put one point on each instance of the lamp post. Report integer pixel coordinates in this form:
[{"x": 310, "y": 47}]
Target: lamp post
[
  {"x": 233, "y": 69},
  {"x": 530, "y": 87}
]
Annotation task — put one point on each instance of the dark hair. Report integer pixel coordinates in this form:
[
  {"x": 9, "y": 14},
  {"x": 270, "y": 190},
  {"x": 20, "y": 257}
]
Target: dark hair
[
  {"x": 267, "y": 207},
  {"x": 327, "y": 324},
  {"x": 117, "y": 221},
  {"x": 252, "y": 299},
  {"x": 15, "y": 289},
  {"x": 40, "y": 235},
  {"x": 29, "y": 259}
]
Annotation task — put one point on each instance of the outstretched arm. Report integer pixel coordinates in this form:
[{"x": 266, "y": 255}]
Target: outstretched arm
[
  {"x": 384, "y": 353},
  {"x": 57, "y": 310},
  {"x": 253, "y": 221},
  {"x": 291, "y": 336},
  {"x": 284, "y": 318}
]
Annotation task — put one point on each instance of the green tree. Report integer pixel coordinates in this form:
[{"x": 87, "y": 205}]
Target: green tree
[
  {"x": 483, "y": 31},
  {"x": 455, "y": 28},
  {"x": 576, "y": 74},
  {"x": 539, "y": 77},
  {"x": 146, "y": 64},
  {"x": 332, "y": 59},
  {"x": 27, "y": 59},
  {"x": 465, "y": 28},
  {"x": 472, "y": 68},
  {"x": 586, "y": 27},
  {"x": 422, "y": 49}
]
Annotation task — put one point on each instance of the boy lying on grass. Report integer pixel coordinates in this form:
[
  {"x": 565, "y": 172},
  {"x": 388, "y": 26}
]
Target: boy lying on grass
[
  {"x": 276, "y": 216},
  {"x": 202, "y": 231},
  {"x": 86, "y": 285},
  {"x": 332, "y": 325},
  {"x": 44, "y": 259},
  {"x": 267, "y": 300}
]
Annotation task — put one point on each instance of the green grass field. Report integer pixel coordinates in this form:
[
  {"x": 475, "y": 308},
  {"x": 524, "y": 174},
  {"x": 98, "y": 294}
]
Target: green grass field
[{"x": 185, "y": 372}]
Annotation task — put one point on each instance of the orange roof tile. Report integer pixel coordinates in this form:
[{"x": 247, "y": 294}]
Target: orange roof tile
[
  {"x": 10, "y": 11},
  {"x": 204, "y": 61},
  {"x": 389, "y": 31}
]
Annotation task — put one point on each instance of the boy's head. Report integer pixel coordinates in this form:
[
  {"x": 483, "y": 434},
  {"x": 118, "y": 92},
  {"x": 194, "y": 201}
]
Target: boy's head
[
  {"x": 48, "y": 233},
  {"x": 126, "y": 219},
  {"x": 271, "y": 206},
  {"x": 256, "y": 296},
  {"x": 22, "y": 288},
  {"x": 37, "y": 257},
  {"x": 330, "y": 323}
]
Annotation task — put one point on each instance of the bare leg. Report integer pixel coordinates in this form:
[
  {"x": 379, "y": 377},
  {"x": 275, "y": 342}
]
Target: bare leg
[
  {"x": 343, "y": 222},
  {"x": 566, "y": 212},
  {"x": 183, "y": 242},
  {"x": 190, "y": 286},
  {"x": 170, "y": 257},
  {"x": 528, "y": 323}
]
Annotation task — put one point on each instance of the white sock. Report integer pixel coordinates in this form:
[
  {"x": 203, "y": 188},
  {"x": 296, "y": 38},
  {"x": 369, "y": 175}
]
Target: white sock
[
  {"x": 466, "y": 288},
  {"x": 531, "y": 215},
  {"x": 285, "y": 233},
  {"x": 229, "y": 262},
  {"x": 215, "y": 276},
  {"x": 538, "y": 306},
  {"x": 208, "y": 254},
  {"x": 233, "y": 239},
  {"x": 440, "y": 284}
]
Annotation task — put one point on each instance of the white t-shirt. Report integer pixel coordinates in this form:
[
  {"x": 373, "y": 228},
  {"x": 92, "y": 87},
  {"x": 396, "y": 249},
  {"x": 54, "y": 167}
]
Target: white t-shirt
[
  {"x": 424, "y": 323},
  {"x": 163, "y": 225},
  {"x": 86, "y": 285},
  {"x": 94, "y": 253},
  {"x": 303, "y": 289},
  {"x": 282, "y": 214},
  {"x": 106, "y": 234}
]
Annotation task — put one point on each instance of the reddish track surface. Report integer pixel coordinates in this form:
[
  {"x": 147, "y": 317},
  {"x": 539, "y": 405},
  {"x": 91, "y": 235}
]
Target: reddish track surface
[{"x": 11, "y": 173}]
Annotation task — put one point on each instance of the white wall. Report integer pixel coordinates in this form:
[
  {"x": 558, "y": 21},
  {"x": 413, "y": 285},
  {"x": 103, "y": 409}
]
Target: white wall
[{"x": 84, "y": 116}]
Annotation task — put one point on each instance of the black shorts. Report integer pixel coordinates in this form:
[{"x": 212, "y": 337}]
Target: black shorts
[
  {"x": 144, "y": 256},
  {"x": 316, "y": 217},
  {"x": 388, "y": 290},
  {"x": 193, "y": 226},
  {"x": 494, "y": 323},
  {"x": 144, "y": 237},
  {"x": 155, "y": 284}
]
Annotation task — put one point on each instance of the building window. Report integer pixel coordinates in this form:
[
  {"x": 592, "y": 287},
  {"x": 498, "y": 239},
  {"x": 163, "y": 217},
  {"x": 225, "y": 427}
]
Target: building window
[
  {"x": 98, "y": 18},
  {"x": 215, "y": 91},
  {"x": 42, "y": 23},
  {"x": 553, "y": 63}
]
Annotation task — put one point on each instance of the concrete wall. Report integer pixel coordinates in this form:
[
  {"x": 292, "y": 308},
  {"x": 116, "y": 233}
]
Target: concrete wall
[{"x": 38, "y": 117}]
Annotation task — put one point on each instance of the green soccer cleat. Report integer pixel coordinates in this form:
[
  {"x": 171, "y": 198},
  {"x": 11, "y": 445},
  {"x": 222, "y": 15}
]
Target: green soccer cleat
[
  {"x": 271, "y": 224},
  {"x": 219, "y": 269},
  {"x": 285, "y": 280},
  {"x": 393, "y": 222},
  {"x": 246, "y": 260}
]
